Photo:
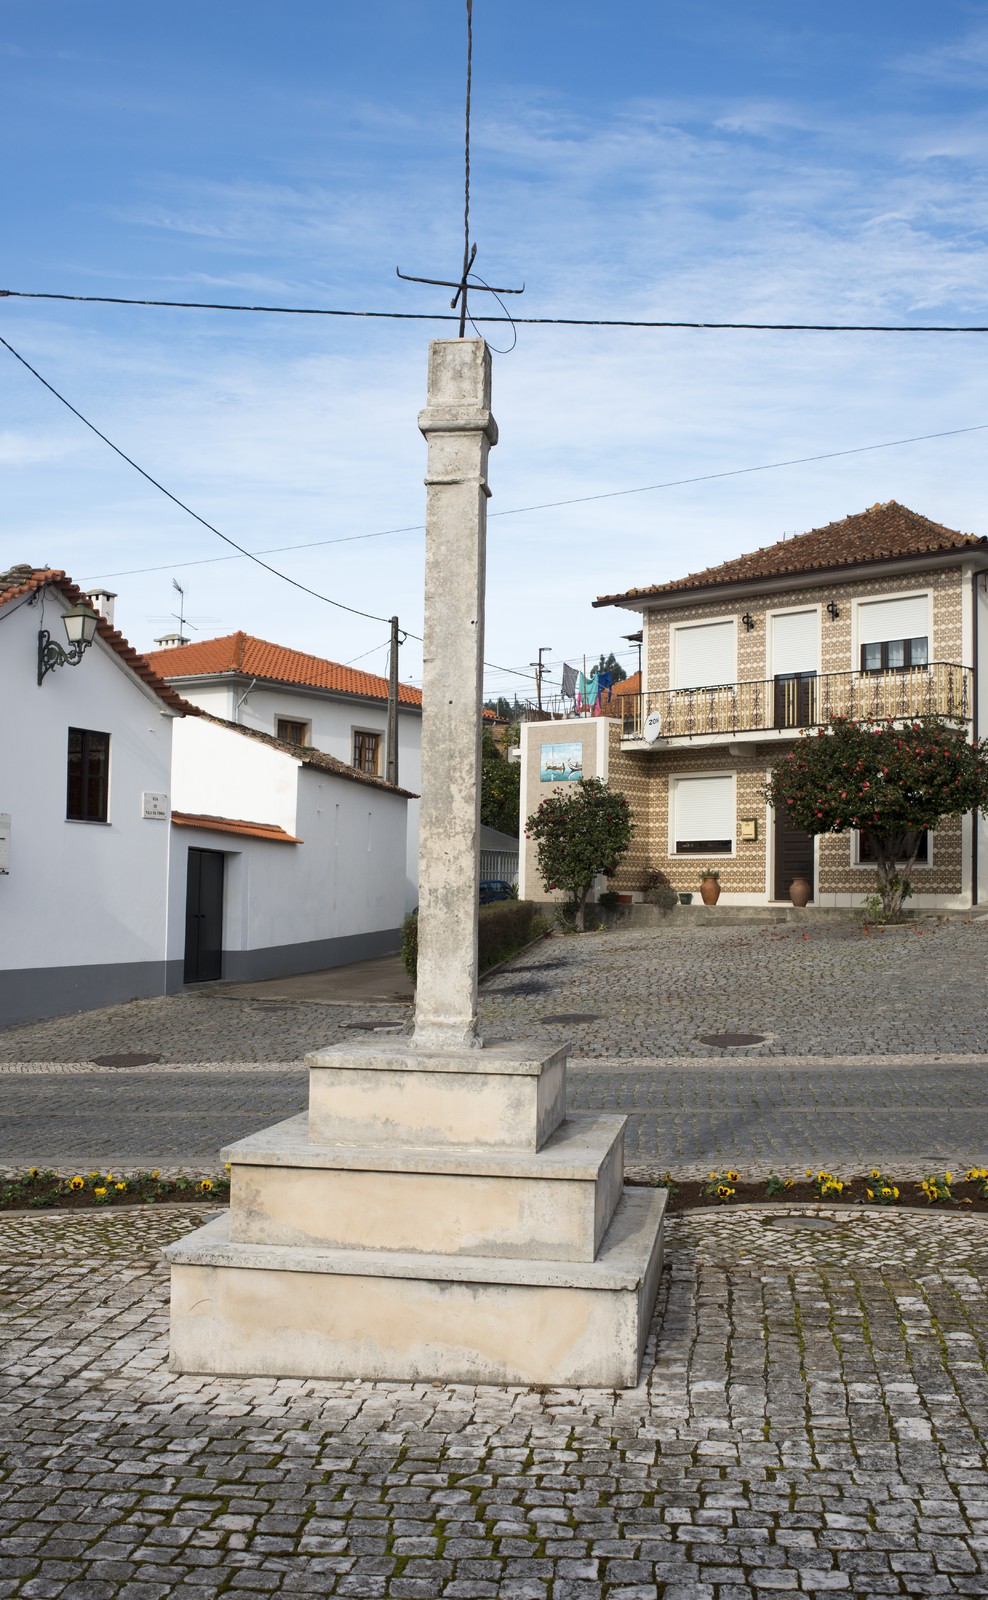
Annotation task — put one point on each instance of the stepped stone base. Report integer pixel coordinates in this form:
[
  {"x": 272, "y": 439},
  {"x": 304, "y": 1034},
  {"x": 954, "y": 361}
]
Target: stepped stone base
[
  {"x": 555, "y": 1204},
  {"x": 285, "y": 1311}
]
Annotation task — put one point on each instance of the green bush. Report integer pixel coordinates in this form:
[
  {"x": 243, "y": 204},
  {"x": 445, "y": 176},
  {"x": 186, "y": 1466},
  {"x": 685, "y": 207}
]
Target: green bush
[
  {"x": 609, "y": 899},
  {"x": 503, "y": 928}
]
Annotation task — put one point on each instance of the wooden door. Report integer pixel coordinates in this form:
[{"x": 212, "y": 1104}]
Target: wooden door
[
  {"x": 793, "y": 856},
  {"x": 204, "y": 917}
]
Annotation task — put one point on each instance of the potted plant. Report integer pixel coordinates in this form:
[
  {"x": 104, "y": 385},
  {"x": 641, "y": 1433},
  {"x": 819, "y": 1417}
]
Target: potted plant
[
  {"x": 709, "y": 886},
  {"x": 656, "y": 890},
  {"x": 686, "y": 899}
]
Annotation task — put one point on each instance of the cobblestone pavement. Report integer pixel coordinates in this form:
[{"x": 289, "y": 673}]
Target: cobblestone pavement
[
  {"x": 832, "y": 991},
  {"x": 811, "y": 1420},
  {"x": 761, "y": 1117}
]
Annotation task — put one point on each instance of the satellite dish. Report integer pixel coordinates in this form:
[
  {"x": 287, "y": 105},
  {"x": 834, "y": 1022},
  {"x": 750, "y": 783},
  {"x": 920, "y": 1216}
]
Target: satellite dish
[{"x": 652, "y": 728}]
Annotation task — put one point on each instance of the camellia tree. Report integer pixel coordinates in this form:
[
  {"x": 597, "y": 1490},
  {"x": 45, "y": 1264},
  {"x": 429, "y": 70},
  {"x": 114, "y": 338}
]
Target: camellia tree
[
  {"x": 890, "y": 780},
  {"x": 579, "y": 833}
]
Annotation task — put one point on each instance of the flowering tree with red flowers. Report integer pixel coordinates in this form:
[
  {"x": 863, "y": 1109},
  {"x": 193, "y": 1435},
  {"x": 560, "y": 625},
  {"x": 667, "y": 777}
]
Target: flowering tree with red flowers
[
  {"x": 890, "y": 780},
  {"x": 579, "y": 833}
]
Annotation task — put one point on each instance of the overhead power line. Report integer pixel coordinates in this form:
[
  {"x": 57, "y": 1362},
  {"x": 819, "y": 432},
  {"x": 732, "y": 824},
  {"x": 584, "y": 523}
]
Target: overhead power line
[
  {"x": 552, "y": 505},
  {"x": 249, "y": 554},
  {"x": 559, "y": 322}
]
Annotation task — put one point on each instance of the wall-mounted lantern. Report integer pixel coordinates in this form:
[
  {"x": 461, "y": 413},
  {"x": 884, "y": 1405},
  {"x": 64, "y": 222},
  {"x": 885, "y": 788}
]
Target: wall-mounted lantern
[
  {"x": 749, "y": 621},
  {"x": 80, "y": 629},
  {"x": 833, "y": 611}
]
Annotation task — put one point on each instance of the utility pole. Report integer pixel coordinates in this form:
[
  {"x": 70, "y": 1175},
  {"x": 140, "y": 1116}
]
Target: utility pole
[
  {"x": 392, "y": 736},
  {"x": 544, "y": 650}
]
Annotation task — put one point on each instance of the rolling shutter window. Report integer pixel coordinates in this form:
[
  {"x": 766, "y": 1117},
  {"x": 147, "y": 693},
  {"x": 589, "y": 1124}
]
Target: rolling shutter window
[
  {"x": 704, "y": 815},
  {"x": 794, "y": 643},
  {"x": 704, "y": 655},
  {"x": 880, "y": 620}
]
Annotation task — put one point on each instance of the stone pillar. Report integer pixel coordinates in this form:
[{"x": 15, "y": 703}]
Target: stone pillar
[{"x": 460, "y": 430}]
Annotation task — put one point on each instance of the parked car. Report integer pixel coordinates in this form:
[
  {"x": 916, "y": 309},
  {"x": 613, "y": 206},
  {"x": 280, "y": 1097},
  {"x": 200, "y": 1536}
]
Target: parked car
[{"x": 495, "y": 889}]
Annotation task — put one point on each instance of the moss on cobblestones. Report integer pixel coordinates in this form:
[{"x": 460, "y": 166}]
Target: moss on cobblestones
[{"x": 810, "y": 1415}]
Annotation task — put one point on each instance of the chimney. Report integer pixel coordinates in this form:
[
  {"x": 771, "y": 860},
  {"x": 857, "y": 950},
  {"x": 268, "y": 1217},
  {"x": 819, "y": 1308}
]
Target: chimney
[
  {"x": 169, "y": 641},
  {"x": 102, "y": 601}
]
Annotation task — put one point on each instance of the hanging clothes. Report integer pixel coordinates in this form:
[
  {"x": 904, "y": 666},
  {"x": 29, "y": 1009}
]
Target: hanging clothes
[
  {"x": 604, "y": 681},
  {"x": 569, "y": 689}
]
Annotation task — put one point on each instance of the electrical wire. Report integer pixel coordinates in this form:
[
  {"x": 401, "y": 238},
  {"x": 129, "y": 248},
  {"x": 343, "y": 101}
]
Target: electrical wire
[
  {"x": 577, "y": 500},
  {"x": 353, "y": 610},
  {"x": 181, "y": 503},
  {"x": 558, "y": 322}
]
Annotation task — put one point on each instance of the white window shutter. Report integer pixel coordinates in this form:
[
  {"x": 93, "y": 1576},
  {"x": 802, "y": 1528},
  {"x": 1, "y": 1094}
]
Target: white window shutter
[
  {"x": 881, "y": 620},
  {"x": 795, "y": 636},
  {"x": 704, "y": 655},
  {"x": 704, "y": 809}
]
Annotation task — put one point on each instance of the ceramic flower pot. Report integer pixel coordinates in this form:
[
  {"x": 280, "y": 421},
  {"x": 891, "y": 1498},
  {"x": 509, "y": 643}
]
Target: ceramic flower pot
[
  {"x": 710, "y": 891},
  {"x": 800, "y": 890},
  {"x": 686, "y": 899}
]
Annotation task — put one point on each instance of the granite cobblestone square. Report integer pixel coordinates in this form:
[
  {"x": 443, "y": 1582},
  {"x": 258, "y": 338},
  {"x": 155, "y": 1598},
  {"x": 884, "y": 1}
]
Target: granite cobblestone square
[{"x": 810, "y": 1420}]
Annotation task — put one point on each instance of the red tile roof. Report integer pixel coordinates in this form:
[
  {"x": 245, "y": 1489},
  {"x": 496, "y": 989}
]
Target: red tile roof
[
  {"x": 885, "y": 532},
  {"x": 251, "y": 830},
  {"x": 630, "y": 685},
  {"x": 19, "y": 582},
  {"x": 244, "y": 656}
]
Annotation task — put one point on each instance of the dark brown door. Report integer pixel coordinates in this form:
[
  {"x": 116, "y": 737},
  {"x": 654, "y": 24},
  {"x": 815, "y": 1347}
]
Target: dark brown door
[
  {"x": 204, "y": 917},
  {"x": 793, "y": 855}
]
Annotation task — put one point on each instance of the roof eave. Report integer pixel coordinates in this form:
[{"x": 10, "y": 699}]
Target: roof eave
[{"x": 844, "y": 572}]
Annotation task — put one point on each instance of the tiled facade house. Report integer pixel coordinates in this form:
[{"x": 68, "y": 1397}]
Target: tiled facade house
[{"x": 881, "y": 615}]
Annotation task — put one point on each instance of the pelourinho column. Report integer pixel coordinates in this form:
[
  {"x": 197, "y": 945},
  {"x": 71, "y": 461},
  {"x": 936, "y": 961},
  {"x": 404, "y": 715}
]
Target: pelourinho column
[{"x": 460, "y": 430}]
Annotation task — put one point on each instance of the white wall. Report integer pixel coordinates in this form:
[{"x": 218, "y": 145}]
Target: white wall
[
  {"x": 219, "y": 773},
  {"x": 337, "y": 896},
  {"x": 79, "y": 894},
  {"x": 332, "y": 722}
]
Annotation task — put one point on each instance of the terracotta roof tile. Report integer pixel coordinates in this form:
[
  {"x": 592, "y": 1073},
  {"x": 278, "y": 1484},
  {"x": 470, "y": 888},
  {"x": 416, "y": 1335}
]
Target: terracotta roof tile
[
  {"x": 21, "y": 581},
  {"x": 243, "y": 655},
  {"x": 305, "y": 753},
  {"x": 250, "y": 830},
  {"x": 630, "y": 685},
  {"x": 885, "y": 532}
]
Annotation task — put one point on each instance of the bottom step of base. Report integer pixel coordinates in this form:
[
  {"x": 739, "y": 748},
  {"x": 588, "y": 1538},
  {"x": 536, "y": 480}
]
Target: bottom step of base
[{"x": 267, "y": 1311}]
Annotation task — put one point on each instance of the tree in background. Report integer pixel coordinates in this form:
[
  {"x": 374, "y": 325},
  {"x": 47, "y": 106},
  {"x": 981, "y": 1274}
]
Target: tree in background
[
  {"x": 612, "y": 665},
  {"x": 579, "y": 833},
  {"x": 500, "y": 788},
  {"x": 891, "y": 781}
]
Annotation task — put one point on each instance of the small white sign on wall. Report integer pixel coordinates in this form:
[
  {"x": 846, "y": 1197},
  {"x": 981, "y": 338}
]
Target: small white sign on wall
[
  {"x": 4, "y": 841},
  {"x": 154, "y": 806}
]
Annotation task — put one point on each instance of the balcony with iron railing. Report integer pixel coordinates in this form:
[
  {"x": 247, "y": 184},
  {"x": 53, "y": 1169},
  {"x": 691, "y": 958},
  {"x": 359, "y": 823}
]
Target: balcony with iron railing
[{"x": 780, "y": 706}]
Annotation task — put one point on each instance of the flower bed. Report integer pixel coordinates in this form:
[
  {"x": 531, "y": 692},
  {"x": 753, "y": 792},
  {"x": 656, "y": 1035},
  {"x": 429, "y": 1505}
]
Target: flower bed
[
  {"x": 77, "y": 1190},
  {"x": 961, "y": 1191}
]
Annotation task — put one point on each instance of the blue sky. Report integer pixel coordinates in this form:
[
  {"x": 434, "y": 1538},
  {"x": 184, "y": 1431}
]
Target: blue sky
[{"x": 689, "y": 160}]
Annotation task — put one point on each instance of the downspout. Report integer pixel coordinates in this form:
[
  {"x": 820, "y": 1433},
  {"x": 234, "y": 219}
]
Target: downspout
[{"x": 236, "y": 709}]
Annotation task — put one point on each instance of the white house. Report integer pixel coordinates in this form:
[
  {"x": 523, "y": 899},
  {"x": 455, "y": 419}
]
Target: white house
[
  {"x": 144, "y": 843},
  {"x": 304, "y": 700},
  {"x": 283, "y": 858},
  {"x": 85, "y": 773}
]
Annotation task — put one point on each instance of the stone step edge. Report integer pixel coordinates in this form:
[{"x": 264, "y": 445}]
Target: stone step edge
[
  {"x": 287, "y": 1144},
  {"x": 516, "y": 1058},
  {"x": 622, "y": 1262}
]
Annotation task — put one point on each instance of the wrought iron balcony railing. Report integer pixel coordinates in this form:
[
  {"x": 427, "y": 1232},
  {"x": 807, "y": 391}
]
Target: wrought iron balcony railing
[{"x": 803, "y": 700}]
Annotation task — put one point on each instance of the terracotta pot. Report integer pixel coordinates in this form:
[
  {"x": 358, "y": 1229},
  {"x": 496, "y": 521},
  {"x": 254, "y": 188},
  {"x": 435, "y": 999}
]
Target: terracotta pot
[
  {"x": 800, "y": 890},
  {"x": 710, "y": 891}
]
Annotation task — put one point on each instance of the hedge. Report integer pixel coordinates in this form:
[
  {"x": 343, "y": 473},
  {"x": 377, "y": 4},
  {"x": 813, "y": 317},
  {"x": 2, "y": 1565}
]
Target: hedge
[{"x": 503, "y": 928}]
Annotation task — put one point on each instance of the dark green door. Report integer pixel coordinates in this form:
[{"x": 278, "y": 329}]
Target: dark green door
[{"x": 204, "y": 917}]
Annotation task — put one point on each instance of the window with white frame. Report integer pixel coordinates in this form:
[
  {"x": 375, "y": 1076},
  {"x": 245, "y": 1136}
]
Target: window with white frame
[
  {"x": 894, "y": 634},
  {"x": 703, "y": 655},
  {"x": 703, "y": 816}
]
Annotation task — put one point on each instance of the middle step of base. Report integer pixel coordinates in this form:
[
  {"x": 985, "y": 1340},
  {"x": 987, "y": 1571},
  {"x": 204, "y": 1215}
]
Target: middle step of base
[{"x": 552, "y": 1205}]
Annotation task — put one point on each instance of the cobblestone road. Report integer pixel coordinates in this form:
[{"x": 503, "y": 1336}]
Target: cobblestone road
[
  {"x": 811, "y": 1420},
  {"x": 831, "y": 992},
  {"x": 761, "y": 1117}
]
